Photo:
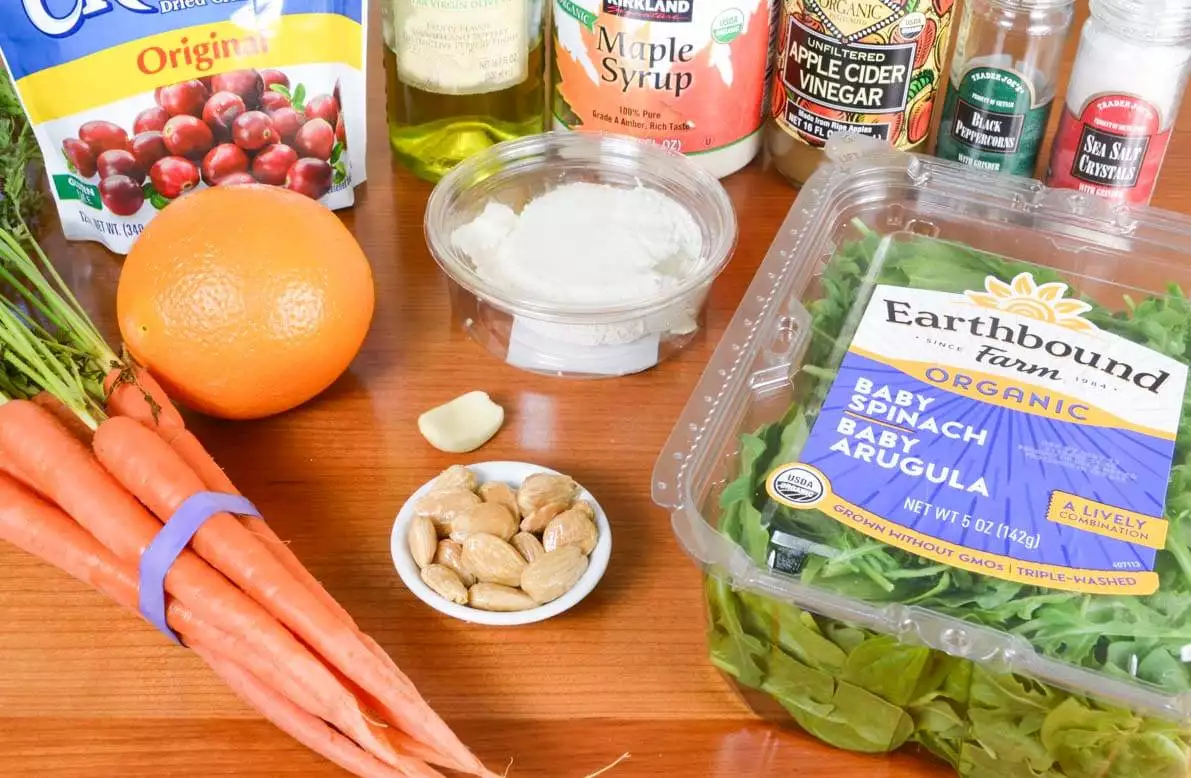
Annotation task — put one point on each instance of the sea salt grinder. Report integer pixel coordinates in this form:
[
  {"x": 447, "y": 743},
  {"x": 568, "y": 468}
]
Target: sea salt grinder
[
  {"x": 1002, "y": 83},
  {"x": 1126, "y": 85}
]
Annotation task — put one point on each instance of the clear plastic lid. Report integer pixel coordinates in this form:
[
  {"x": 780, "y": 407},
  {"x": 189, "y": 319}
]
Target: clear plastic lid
[
  {"x": 1158, "y": 22},
  {"x": 950, "y": 409}
]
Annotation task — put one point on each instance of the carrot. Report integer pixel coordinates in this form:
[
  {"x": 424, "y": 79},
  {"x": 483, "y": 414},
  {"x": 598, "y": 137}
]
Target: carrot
[
  {"x": 192, "y": 451},
  {"x": 301, "y": 726},
  {"x": 188, "y": 447},
  {"x": 133, "y": 392},
  {"x": 62, "y": 469},
  {"x": 65, "y": 416},
  {"x": 38, "y": 528},
  {"x": 10, "y": 469},
  {"x": 139, "y": 405},
  {"x": 159, "y": 478},
  {"x": 44, "y": 531}
]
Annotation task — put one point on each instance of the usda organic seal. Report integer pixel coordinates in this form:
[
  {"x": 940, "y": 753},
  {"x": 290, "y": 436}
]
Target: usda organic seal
[{"x": 796, "y": 485}]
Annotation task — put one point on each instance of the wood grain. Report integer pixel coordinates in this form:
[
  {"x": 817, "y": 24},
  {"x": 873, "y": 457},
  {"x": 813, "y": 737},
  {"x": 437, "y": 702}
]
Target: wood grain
[{"x": 86, "y": 689}]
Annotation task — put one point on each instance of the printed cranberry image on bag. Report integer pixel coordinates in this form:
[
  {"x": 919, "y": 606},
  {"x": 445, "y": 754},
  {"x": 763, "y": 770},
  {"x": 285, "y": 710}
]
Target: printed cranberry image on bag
[{"x": 137, "y": 103}]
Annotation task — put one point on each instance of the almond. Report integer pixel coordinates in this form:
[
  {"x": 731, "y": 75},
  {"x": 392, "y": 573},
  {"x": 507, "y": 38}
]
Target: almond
[
  {"x": 445, "y": 583},
  {"x": 553, "y": 574},
  {"x": 529, "y": 545},
  {"x": 450, "y": 554},
  {"x": 455, "y": 477},
  {"x": 423, "y": 540},
  {"x": 442, "y": 507},
  {"x": 492, "y": 560},
  {"x": 486, "y": 518},
  {"x": 494, "y": 597},
  {"x": 584, "y": 507},
  {"x": 571, "y": 527},
  {"x": 501, "y": 494},
  {"x": 540, "y": 519},
  {"x": 542, "y": 489}
]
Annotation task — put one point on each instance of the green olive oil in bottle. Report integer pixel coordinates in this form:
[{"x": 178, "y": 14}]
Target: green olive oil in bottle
[{"x": 461, "y": 75}]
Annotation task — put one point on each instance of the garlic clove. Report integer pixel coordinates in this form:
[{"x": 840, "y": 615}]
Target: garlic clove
[{"x": 463, "y": 424}]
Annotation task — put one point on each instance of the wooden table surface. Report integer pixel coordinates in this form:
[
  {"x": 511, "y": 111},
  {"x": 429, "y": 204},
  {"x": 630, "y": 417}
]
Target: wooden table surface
[{"x": 89, "y": 690}]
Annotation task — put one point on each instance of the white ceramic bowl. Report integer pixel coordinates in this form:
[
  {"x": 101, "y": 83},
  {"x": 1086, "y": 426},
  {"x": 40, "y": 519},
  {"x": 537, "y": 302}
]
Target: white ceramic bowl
[{"x": 513, "y": 474}]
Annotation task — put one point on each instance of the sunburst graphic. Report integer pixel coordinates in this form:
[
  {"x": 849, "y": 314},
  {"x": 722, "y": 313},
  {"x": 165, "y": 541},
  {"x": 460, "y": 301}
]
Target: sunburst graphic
[{"x": 1043, "y": 302}]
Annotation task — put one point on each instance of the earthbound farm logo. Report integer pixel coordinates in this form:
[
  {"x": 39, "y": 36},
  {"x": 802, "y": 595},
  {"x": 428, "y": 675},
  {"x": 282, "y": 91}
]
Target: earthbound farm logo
[
  {"x": 66, "y": 21},
  {"x": 1042, "y": 302}
]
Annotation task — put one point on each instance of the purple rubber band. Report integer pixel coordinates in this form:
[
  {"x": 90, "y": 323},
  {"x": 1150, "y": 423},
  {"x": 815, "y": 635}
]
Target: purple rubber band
[{"x": 161, "y": 554}]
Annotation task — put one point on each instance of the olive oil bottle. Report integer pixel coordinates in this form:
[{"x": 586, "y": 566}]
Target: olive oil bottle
[{"x": 461, "y": 75}]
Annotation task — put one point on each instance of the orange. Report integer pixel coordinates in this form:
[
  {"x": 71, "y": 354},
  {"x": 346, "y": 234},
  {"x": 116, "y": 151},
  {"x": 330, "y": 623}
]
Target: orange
[{"x": 245, "y": 301}]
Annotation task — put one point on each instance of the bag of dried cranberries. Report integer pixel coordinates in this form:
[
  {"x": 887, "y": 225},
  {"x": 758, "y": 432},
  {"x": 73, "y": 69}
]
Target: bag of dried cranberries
[{"x": 137, "y": 102}]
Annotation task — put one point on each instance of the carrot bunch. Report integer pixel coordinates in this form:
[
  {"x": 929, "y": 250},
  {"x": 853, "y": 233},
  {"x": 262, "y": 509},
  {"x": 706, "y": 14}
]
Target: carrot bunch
[{"x": 94, "y": 460}]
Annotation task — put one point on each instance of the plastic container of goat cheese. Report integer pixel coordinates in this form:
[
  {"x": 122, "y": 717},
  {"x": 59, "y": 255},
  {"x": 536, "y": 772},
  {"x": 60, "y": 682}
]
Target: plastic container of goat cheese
[
  {"x": 936, "y": 473},
  {"x": 552, "y": 285}
]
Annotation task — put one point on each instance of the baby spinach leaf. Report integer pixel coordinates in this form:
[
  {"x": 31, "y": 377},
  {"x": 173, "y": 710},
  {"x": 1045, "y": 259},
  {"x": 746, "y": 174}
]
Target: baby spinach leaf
[
  {"x": 733, "y": 651},
  {"x": 843, "y": 635},
  {"x": 888, "y": 668},
  {"x": 940, "y": 727},
  {"x": 738, "y": 655},
  {"x": 976, "y": 762},
  {"x": 795, "y": 684},
  {"x": 798, "y": 636},
  {"x": 841, "y": 714},
  {"x": 1011, "y": 737}
]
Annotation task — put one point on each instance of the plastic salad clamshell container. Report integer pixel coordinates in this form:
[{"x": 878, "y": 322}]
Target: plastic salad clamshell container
[
  {"x": 570, "y": 340},
  {"x": 936, "y": 473}
]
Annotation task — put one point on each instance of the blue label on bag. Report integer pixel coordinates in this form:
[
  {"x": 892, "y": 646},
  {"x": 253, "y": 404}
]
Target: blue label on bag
[{"x": 997, "y": 431}]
